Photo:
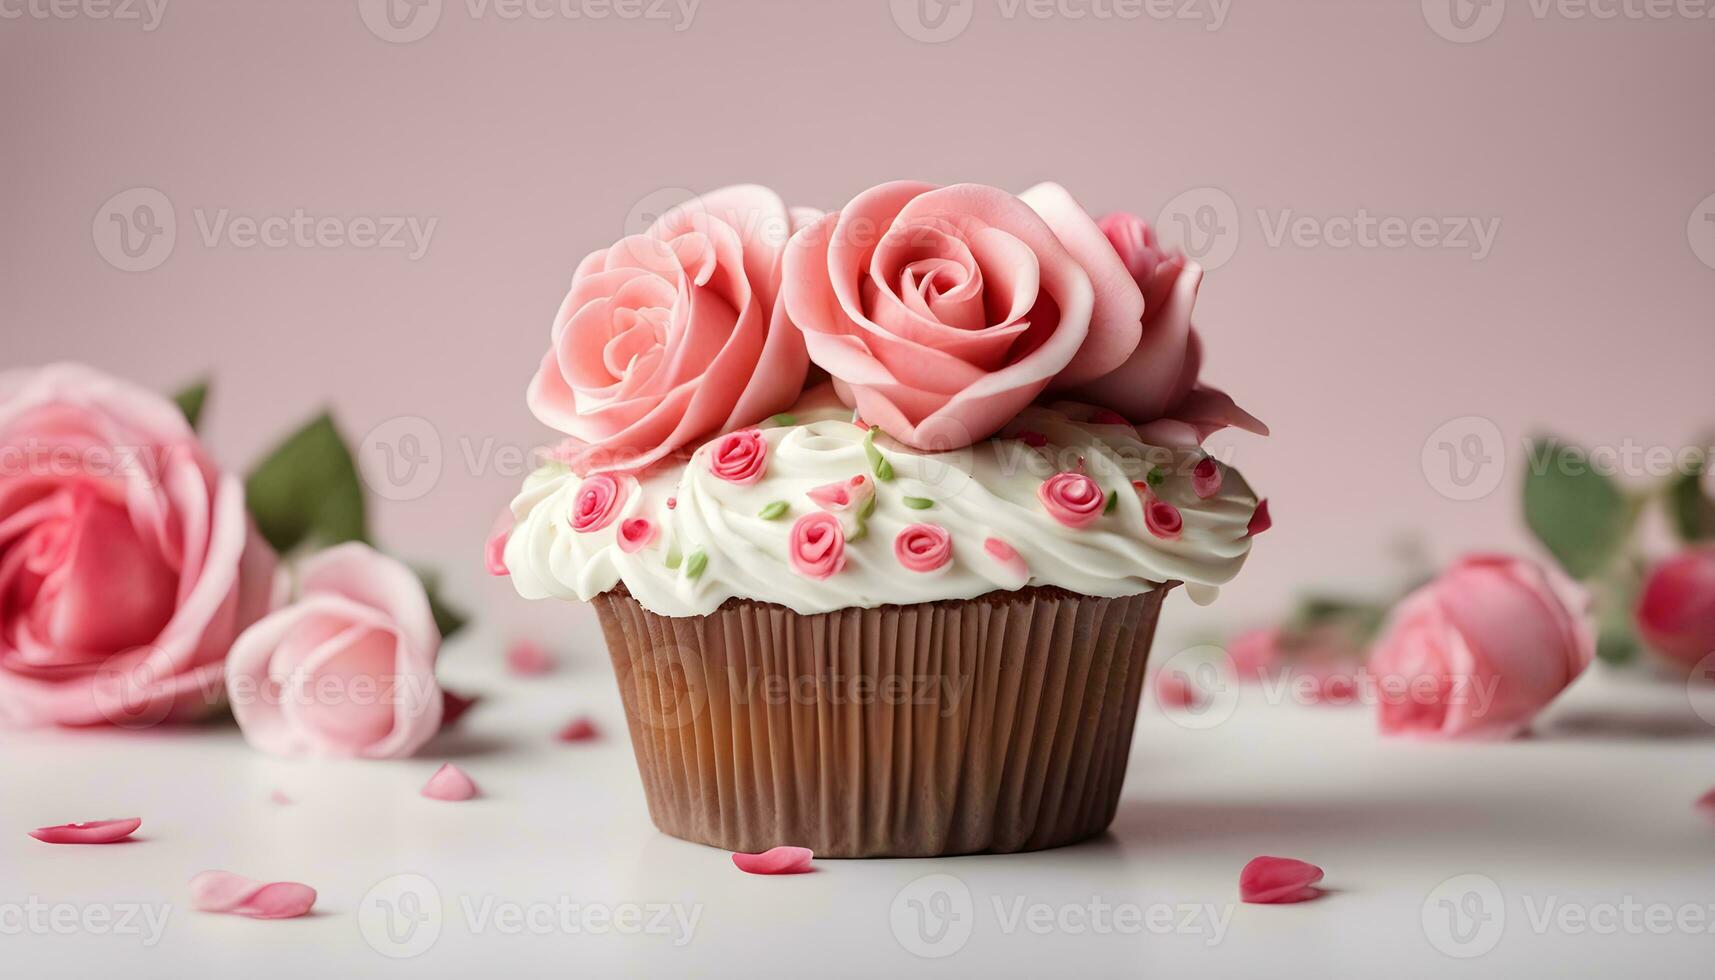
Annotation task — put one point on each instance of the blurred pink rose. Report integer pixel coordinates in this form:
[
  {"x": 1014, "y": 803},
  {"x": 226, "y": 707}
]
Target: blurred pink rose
[
  {"x": 1676, "y": 613},
  {"x": 674, "y": 335},
  {"x": 1322, "y": 664},
  {"x": 127, "y": 561},
  {"x": 1157, "y": 387},
  {"x": 943, "y": 311},
  {"x": 1478, "y": 652},
  {"x": 346, "y": 670}
]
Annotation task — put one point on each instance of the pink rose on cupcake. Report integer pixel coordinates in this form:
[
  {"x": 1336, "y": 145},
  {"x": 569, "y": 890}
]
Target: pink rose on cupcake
[
  {"x": 348, "y": 669},
  {"x": 127, "y": 561},
  {"x": 674, "y": 335},
  {"x": 943, "y": 311},
  {"x": 1478, "y": 652},
  {"x": 817, "y": 547},
  {"x": 1157, "y": 386}
]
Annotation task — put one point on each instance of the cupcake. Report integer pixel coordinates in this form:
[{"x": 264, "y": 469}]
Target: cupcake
[{"x": 878, "y": 508}]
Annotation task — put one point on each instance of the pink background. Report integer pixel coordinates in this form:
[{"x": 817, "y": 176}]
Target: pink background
[{"x": 530, "y": 142}]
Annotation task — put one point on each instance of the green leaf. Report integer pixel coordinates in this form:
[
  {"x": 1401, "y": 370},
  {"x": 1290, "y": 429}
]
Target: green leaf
[
  {"x": 1155, "y": 477},
  {"x": 883, "y": 469},
  {"x": 866, "y": 508},
  {"x": 774, "y": 510},
  {"x": 190, "y": 402},
  {"x": 695, "y": 564},
  {"x": 308, "y": 489},
  {"x": 1580, "y": 515},
  {"x": 1113, "y": 502},
  {"x": 919, "y": 503},
  {"x": 1692, "y": 511},
  {"x": 784, "y": 418}
]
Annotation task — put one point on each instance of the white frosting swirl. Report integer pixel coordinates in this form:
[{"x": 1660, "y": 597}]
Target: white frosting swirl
[{"x": 980, "y": 492}]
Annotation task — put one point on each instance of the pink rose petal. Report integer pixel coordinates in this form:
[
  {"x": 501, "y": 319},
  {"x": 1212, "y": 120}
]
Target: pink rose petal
[
  {"x": 527, "y": 659},
  {"x": 579, "y": 730},
  {"x": 94, "y": 832},
  {"x": 450, "y": 783},
  {"x": 1278, "y": 881},
  {"x": 454, "y": 706},
  {"x": 775, "y": 861},
  {"x": 494, "y": 551},
  {"x": 1260, "y": 521},
  {"x": 1174, "y": 690},
  {"x": 280, "y": 799},
  {"x": 230, "y": 894},
  {"x": 1706, "y": 803}
]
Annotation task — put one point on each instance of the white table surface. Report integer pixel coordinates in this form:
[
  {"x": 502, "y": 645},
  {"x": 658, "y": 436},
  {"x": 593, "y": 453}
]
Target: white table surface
[{"x": 1585, "y": 838}]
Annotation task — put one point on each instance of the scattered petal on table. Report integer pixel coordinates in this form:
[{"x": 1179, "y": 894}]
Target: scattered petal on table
[
  {"x": 1277, "y": 881},
  {"x": 454, "y": 706},
  {"x": 280, "y": 798},
  {"x": 775, "y": 861},
  {"x": 230, "y": 894},
  {"x": 527, "y": 659},
  {"x": 1706, "y": 803},
  {"x": 579, "y": 730},
  {"x": 450, "y": 783},
  {"x": 1174, "y": 690},
  {"x": 94, "y": 832}
]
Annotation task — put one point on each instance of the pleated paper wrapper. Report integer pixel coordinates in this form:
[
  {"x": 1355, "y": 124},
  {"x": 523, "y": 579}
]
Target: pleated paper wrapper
[{"x": 1001, "y": 723}]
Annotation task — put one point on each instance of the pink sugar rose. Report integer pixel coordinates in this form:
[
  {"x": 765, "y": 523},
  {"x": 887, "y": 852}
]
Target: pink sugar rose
[
  {"x": 637, "y": 534},
  {"x": 818, "y": 545},
  {"x": 1478, "y": 652},
  {"x": 739, "y": 457},
  {"x": 1073, "y": 499},
  {"x": 127, "y": 561},
  {"x": 599, "y": 500},
  {"x": 674, "y": 335},
  {"x": 923, "y": 548},
  {"x": 1676, "y": 612},
  {"x": 348, "y": 669},
  {"x": 846, "y": 495},
  {"x": 1157, "y": 387},
  {"x": 943, "y": 311}
]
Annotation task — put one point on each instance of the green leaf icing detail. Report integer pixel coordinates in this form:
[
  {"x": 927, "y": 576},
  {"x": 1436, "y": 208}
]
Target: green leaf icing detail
[
  {"x": 774, "y": 510},
  {"x": 883, "y": 469},
  {"x": 1155, "y": 477},
  {"x": 784, "y": 418},
  {"x": 919, "y": 503},
  {"x": 1113, "y": 502},
  {"x": 695, "y": 564},
  {"x": 867, "y": 508}
]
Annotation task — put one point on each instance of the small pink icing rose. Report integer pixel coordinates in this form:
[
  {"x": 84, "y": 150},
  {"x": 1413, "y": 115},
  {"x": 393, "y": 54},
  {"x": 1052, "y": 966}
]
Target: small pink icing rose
[
  {"x": 1157, "y": 386},
  {"x": 818, "y": 545},
  {"x": 923, "y": 547},
  {"x": 843, "y": 496},
  {"x": 127, "y": 561},
  {"x": 600, "y": 499},
  {"x": 739, "y": 457},
  {"x": 1676, "y": 613},
  {"x": 1206, "y": 478},
  {"x": 1478, "y": 652},
  {"x": 943, "y": 311},
  {"x": 1073, "y": 499},
  {"x": 674, "y": 335},
  {"x": 1162, "y": 518},
  {"x": 348, "y": 669},
  {"x": 636, "y": 534}
]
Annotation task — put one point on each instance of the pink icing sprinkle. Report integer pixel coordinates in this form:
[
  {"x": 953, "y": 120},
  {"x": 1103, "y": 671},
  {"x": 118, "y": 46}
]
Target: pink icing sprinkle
[
  {"x": 598, "y": 502},
  {"x": 1260, "y": 521},
  {"x": 450, "y": 783},
  {"x": 578, "y": 730},
  {"x": 1278, "y": 881},
  {"x": 527, "y": 659},
  {"x": 1162, "y": 518},
  {"x": 93, "y": 832},
  {"x": 1073, "y": 499},
  {"x": 775, "y": 861},
  {"x": 1010, "y": 561},
  {"x": 740, "y": 457},
  {"x": 225, "y": 892},
  {"x": 494, "y": 552},
  {"x": 1206, "y": 478},
  {"x": 636, "y": 534},
  {"x": 923, "y": 547},
  {"x": 672, "y": 502},
  {"x": 1032, "y": 438},
  {"x": 817, "y": 546}
]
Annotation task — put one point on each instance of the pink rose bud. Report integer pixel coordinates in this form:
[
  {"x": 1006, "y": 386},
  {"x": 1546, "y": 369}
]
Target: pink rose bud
[
  {"x": 348, "y": 669},
  {"x": 817, "y": 545},
  {"x": 845, "y": 495},
  {"x": 1162, "y": 518},
  {"x": 1073, "y": 499},
  {"x": 1478, "y": 652},
  {"x": 600, "y": 499},
  {"x": 1278, "y": 881},
  {"x": 1676, "y": 613},
  {"x": 636, "y": 534},
  {"x": 739, "y": 457},
  {"x": 1135, "y": 242},
  {"x": 1206, "y": 478},
  {"x": 923, "y": 547}
]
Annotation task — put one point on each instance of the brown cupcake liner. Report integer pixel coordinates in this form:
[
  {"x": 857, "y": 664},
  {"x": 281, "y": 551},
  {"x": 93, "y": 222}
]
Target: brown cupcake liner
[{"x": 1001, "y": 723}]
